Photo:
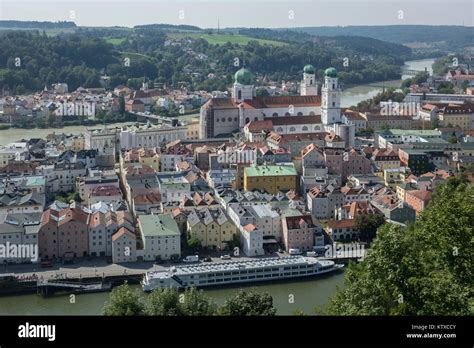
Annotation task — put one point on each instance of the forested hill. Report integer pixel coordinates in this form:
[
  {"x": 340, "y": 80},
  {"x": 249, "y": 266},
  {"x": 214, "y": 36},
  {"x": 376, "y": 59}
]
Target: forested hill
[
  {"x": 455, "y": 36},
  {"x": 180, "y": 56}
]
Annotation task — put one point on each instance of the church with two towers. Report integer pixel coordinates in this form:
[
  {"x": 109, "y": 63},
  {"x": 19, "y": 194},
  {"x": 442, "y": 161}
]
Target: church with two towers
[{"x": 298, "y": 114}]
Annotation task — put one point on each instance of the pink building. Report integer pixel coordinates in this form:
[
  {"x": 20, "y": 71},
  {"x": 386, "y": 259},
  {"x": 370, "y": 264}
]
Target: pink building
[
  {"x": 298, "y": 232},
  {"x": 63, "y": 232},
  {"x": 346, "y": 163}
]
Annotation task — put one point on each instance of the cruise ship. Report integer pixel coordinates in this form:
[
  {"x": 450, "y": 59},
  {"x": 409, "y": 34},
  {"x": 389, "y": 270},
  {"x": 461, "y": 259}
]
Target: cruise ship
[{"x": 236, "y": 272}]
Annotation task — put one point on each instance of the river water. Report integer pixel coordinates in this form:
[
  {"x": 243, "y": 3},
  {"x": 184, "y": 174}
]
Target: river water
[
  {"x": 306, "y": 295},
  {"x": 303, "y": 295}
]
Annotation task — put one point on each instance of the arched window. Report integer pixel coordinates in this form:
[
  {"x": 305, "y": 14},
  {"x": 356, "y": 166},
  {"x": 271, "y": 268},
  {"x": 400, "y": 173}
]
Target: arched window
[
  {"x": 287, "y": 114},
  {"x": 279, "y": 130},
  {"x": 223, "y": 119},
  {"x": 275, "y": 114},
  {"x": 333, "y": 86},
  {"x": 299, "y": 114},
  {"x": 247, "y": 120},
  {"x": 311, "y": 113},
  {"x": 305, "y": 129},
  {"x": 229, "y": 119},
  {"x": 239, "y": 95},
  {"x": 255, "y": 119},
  {"x": 311, "y": 81},
  {"x": 292, "y": 129},
  {"x": 235, "y": 119},
  {"x": 316, "y": 128}
]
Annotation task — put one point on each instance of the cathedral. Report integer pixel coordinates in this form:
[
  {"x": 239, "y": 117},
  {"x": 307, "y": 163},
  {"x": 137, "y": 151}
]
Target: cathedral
[{"x": 304, "y": 113}]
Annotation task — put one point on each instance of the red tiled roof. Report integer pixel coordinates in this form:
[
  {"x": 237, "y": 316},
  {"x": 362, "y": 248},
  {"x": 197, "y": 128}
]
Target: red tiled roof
[
  {"x": 423, "y": 195},
  {"x": 347, "y": 223},
  {"x": 282, "y": 101},
  {"x": 258, "y": 126}
]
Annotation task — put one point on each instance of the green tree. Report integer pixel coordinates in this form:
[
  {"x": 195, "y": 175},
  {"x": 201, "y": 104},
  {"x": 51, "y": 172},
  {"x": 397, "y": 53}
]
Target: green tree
[
  {"x": 121, "y": 100},
  {"x": 169, "y": 302},
  {"x": 248, "y": 303},
  {"x": 423, "y": 269},
  {"x": 367, "y": 225},
  {"x": 453, "y": 138},
  {"x": 124, "y": 301},
  {"x": 196, "y": 303},
  {"x": 164, "y": 302},
  {"x": 262, "y": 92},
  {"x": 193, "y": 244}
]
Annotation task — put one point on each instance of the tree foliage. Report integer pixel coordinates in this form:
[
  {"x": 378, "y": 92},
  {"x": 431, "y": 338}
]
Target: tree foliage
[
  {"x": 423, "y": 269},
  {"x": 367, "y": 225},
  {"x": 125, "y": 301},
  {"x": 246, "y": 303},
  {"x": 170, "y": 302}
]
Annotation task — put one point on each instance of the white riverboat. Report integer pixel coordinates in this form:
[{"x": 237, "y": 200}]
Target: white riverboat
[{"x": 235, "y": 272}]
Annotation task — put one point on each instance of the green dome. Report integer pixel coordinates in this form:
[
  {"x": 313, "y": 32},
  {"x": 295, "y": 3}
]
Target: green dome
[
  {"x": 330, "y": 72},
  {"x": 244, "y": 77},
  {"x": 309, "y": 69}
]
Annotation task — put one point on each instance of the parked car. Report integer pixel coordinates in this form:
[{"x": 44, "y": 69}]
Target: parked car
[
  {"x": 191, "y": 258},
  {"x": 294, "y": 252},
  {"x": 225, "y": 257},
  {"x": 46, "y": 264},
  {"x": 207, "y": 259}
]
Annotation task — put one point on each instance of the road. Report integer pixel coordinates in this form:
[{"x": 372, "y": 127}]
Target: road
[{"x": 93, "y": 268}]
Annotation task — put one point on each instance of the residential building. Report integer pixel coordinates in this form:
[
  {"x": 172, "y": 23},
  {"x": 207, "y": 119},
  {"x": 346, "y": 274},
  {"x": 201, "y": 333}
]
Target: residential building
[
  {"x": 270, "y": 178},
  {"x": 160, "y": 236},
  {"x": 63, "y": 232}
]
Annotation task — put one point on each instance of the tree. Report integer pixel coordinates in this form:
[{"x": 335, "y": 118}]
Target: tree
[
  {"x": 453, "y": 139},
  {"x": 164, "y": 302},
  {"x": 196, "y": 303},
  {"x": 124, "y": 301},
  {"x": 248, "y": 303},
  {"x": 193, "y": 244},
  {"x": 121, "y": 100},
  {"x": 423, "y": 269},
  {"x": 169, "y": 302},
  {"x": 262, "y": 92},
  {"x": 367, "y": 225}
]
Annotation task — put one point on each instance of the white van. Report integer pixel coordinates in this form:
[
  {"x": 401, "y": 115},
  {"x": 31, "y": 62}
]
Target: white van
[
  {"x": 294, "y": 251},
  {"x": 311, "y": 254},
  {"x": 191, "y": 258}
]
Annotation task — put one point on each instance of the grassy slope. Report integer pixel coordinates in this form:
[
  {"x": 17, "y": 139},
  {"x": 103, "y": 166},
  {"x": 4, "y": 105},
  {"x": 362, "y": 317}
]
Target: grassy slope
[{"x": 220, "y": 39}]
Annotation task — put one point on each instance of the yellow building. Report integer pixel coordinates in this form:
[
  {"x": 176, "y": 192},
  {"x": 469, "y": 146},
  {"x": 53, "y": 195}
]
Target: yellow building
[
  {"x": 394, "y": 176},
  {"x": 150, "y": 158},
  {"x": 212, "y": 227},
  {"x": 270, "y": 178},
  {"x": 192, "y": 129},
  {"x": 455, "y": 115},
  {"x": 78, "y": 143}
]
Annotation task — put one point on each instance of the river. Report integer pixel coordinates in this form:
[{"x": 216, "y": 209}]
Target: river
[
  {"x": 303, "y": 295},
  {"x": 306, "y": 294}
]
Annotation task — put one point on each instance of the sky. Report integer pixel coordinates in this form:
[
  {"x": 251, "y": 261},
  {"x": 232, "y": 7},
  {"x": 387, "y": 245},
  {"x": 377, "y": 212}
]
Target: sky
[{"x": 243, "y": 13}]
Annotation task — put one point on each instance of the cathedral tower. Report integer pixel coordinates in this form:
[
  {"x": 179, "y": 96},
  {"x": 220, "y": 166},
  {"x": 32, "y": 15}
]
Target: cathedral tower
[
  {"x": 309, "y": 86},
  {"x": 330, "y": 98}
]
